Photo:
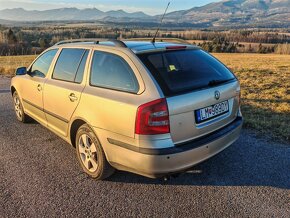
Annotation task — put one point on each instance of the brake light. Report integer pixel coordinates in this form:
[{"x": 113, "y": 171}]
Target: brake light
[
  {"x": 176, "y": 47},
  {"x": 152, "y": 118}
]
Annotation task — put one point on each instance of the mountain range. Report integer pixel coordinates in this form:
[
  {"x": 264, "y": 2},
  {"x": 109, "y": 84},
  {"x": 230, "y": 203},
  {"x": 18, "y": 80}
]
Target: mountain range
[
  {"x": 19, "y": 14},
  {"x": 241, "y": 12},
  {"x": 223, "y": 13}
]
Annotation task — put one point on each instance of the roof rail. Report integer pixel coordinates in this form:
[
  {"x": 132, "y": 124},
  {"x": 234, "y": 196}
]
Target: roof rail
[
  {"x": 117, "y": 42},
  {"x": 176, "y": 40}
]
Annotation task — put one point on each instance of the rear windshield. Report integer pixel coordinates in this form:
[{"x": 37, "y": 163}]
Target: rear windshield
[{"x": 182, "y": 71}]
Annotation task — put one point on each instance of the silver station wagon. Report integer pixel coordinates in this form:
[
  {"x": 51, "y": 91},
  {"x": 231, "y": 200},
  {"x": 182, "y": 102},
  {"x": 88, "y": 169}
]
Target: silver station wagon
[{"x": 152, "y": 108}]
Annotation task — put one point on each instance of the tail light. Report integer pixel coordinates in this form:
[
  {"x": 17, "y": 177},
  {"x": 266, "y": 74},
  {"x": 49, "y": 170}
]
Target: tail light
[
  {"x": 238, "y": 94},
  {"x": 152, "y": 118}
]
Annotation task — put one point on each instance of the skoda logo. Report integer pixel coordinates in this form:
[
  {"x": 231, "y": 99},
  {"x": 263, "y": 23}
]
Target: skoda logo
[{"x": 217, "y": 95}]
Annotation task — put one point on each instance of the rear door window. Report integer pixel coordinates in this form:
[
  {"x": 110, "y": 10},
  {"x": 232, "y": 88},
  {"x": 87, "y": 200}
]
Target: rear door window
[
  {"x": 70, "y": 65},
  {"x": 113, "y": 72},
  {"x": 181, "y": 71}
]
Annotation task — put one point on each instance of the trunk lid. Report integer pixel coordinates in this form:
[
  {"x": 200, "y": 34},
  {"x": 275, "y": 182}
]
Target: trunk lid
[{"x": 183, "y": 121}]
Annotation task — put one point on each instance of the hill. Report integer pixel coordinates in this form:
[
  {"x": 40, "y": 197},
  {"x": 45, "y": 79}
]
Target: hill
[
  {"x": 227, "y": 13},
  {"x": 62, "y": 14},
  {"x": 237, "y": 12}
]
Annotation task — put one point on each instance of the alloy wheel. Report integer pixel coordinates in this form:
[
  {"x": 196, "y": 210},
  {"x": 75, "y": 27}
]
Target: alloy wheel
[
  {"x": 88, "y": 153},
  {"x": 17, "y": 107}
]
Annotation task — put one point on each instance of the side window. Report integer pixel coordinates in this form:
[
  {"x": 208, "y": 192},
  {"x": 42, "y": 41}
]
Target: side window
[
  {"x": 41, "y": 66},
  {"x": 70, "y": 65},
  {"x": 113, "y": 72},
  {"x": 80, "y": 72}
]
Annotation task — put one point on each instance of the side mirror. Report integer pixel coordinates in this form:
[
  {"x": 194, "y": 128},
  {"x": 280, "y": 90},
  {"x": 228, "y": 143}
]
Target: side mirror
[{"x": 21, "y": 71}]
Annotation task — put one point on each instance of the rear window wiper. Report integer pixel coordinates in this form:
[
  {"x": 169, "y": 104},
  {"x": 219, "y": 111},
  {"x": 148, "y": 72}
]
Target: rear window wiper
[{"x": 215, "y": 82}]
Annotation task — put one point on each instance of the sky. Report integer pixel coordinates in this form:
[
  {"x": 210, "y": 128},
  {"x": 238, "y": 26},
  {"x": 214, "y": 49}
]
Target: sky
[{"x": 151, "y": 7}]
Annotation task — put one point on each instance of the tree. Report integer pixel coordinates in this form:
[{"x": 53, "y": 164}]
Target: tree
[
  {"x": 250, "y": 48},
  {"x": 216, "y": 48},
  {"x": 11, "y": 37},
  {"x": 282, "y": 49},
  {"x": 19, "y": 36},
  {"x": 43, "y": 43},
  {"x": 260, "y": 48}
]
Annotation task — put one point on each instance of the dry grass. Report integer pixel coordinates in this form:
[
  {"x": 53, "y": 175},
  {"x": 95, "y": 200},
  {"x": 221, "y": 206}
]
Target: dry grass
[
  {"x": 8, "y": 64},
  {"x": 265, "y": 82}
]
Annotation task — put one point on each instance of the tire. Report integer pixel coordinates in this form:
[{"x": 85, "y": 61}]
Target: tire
[
  {"x": 91, "y": 155},
  {"x": 18, "y": 108}
]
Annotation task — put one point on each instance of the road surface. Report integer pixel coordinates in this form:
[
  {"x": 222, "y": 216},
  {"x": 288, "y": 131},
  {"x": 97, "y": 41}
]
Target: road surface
[{"x": 40, "y": 177}]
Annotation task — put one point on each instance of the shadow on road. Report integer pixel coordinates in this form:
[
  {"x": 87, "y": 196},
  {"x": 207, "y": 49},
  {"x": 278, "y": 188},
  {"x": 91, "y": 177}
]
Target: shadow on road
[
  {"x": 4, "y": 91},
  {"x": 248, "y": 162}
]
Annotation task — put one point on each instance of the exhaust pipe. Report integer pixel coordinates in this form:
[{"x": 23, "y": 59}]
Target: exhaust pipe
[{"x": 169, "y": 177}]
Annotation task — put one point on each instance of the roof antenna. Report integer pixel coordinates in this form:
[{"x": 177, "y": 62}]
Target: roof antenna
[{"x": 154, "y": 38}]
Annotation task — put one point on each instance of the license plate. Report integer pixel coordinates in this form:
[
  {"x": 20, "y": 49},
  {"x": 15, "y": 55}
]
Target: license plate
[{"x": 207, "y": 113}]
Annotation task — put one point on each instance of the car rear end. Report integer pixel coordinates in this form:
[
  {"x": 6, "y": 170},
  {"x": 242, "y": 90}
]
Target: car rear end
[{"x": 197, "y": 117}]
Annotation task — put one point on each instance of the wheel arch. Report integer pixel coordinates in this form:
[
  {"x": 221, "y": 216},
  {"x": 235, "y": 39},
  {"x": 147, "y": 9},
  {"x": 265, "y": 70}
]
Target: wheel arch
[
  {"x": 75, "y": 125},
  {"x": 13, "y": 89}
]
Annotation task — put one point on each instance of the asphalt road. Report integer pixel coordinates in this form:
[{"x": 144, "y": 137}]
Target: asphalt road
[{"x": 40, "y": 177}]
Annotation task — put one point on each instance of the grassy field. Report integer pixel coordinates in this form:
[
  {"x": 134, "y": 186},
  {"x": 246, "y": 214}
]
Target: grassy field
[
  {"x": 8, "y": 64},
  {"x": 265, "y": 82}
]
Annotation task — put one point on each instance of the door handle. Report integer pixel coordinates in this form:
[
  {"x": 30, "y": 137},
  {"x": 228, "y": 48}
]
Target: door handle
[
  {"x": 72, "y": 97},
  {"x": 39, "y": 88}
]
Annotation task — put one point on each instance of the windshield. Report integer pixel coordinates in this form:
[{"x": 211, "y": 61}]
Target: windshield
[{"x": 185, "y": 70}]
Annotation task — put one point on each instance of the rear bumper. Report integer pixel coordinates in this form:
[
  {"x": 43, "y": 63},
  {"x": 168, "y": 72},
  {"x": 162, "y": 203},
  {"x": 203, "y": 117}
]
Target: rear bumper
[{"x": 159, "y": 162}]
